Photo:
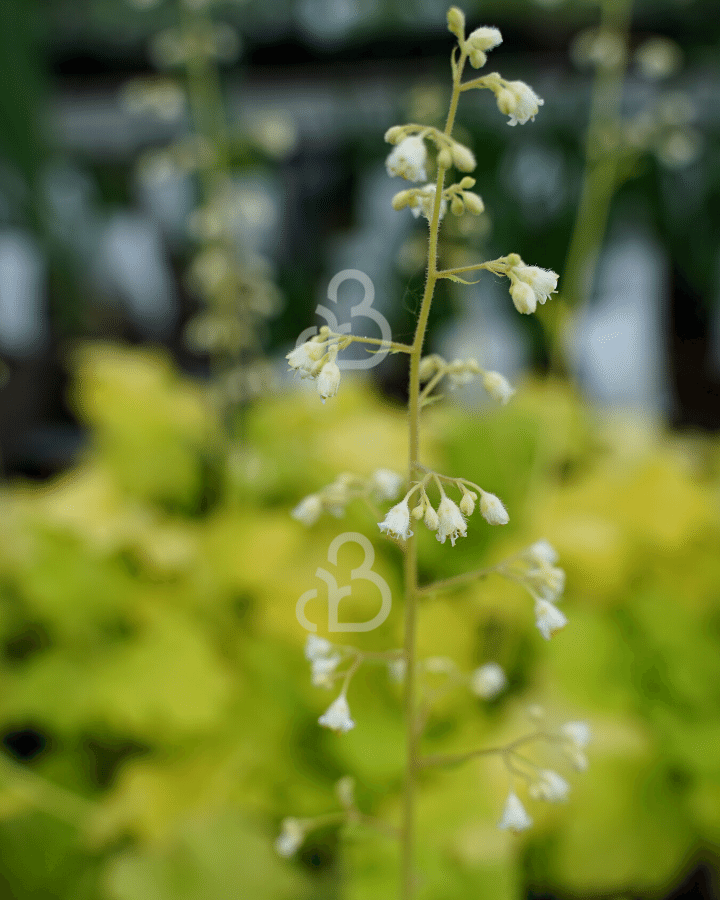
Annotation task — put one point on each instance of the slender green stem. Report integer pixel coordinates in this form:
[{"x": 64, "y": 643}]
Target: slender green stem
[
  {"x": 410, "y": 560},
  {"x": 600, "y": 181},
  {"x": 455, "y": 581}
]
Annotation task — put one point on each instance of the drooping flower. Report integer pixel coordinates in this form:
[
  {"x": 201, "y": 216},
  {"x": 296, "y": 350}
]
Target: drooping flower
[
  {"x": 290, "y": 838},
  {"x": 408, "y": 159},
  {"x": 423, "y": 200},
  {"x": 337, "y": 715},
  {"x": 308, "y": 510},
  {"x": 550, "y": 786},
  {"x": 317, "y": 647},
  {"x": 305, "y": 359},
  {"x": 451, "y": 522},
  {"x": 578, "y": 735},
  {"x": 514, "y": 815},
  {"x": 492, "y": 509},
  {"x": 397, "y": 521},
  {"x": 328, "y": 380},
  {"x": 518, "y": 101},
  {"x": 498, "y": 387},
  {"x": 549, "y": 619},
  {"x": 386, "y": 484}
]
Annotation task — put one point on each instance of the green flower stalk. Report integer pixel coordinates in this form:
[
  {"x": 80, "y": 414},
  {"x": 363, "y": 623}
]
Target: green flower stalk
[{"x": 442, "y": 503}]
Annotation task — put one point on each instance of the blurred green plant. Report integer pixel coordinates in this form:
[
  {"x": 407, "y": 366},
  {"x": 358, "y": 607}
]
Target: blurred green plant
[{"x": 149, "y": 646}]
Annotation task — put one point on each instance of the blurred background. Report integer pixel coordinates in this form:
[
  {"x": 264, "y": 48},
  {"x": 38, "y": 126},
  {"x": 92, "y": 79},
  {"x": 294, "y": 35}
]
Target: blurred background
[{"x": 180, "y": 180}]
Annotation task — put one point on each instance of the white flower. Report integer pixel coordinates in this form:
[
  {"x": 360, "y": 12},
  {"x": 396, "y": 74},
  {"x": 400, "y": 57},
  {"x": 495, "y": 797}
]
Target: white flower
[
  {"x": 386, "y": 483},
  {"x": 451, "y": 521},
  {"x": 423, "y": 201},
  {"x": 290, "y": 838},
  {"x": 525, "y": 105},
  {"x": 578, "y": 733},
  {"x": 317, "y": 647},
  {"x": 542, "y": 551},
  {"x": 524, "y": 297},
  {"x": 308, "y": 510},
  {"x": 550, "y": 786},
  {"x": 484, "y": 38},
  {"x": 337, "y": 715},
  {"x": 397, "y": 521},
  {"x": 488, "y": 681},
  {"x": 542, "y": 281},
  {"x": 498, "y": 387},
  {"x": 463, "y": 157},
  {"x": 321, "y": 669},
  {"x": 492, "y": 509},
  {"x": 514, "y": 815},
  {"x": 408, "y": 159},
  {"x": 305, "y": 358},
  {"x": 549, "y": 619},
  {"x": 328, "y": 380},
  {"x": 545, "y": 582}
]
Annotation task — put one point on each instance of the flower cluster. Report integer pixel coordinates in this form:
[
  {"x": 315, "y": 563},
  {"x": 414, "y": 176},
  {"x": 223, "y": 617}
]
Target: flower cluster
[
  {"x": 316, "y": 358},
  {"x": 382, "y": 484},
  {"x": 324, "y": 659},
  {"x": 434, "y": 368},
  {"x": 449, "y": 520},
  {"x": 544, "y": 784},
  {"x": 536, "y": 571}
]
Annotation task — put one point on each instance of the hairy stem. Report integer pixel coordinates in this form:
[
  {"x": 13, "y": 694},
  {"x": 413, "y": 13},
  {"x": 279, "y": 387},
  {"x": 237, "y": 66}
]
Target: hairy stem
[{"x": 410, "y": 561}]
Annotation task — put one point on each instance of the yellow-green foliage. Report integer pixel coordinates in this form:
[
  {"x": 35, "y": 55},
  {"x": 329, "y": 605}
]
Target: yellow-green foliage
[{"x": 151, "y": 637}]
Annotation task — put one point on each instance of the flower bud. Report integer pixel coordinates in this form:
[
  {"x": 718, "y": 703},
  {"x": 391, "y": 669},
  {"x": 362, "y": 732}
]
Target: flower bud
[
  {"x": 467, "y": 504},
  {"x": 401, "y": 200},
  {"x": 477, "y": 59},
  {"x": 444, "y": 158},
  {"x": 417, "y": 511},
  {"x": 466, "y": 182},
  {"x": 463, "y": 158},
  {"x": 523, "y": 297},
  {"x": 456, "y": 22},
  {"x": 492, "y": 509},
  {"x": 473, "y": 203},
  {"x": 432, "y": 520},
  {"x": 457, "y": 207}
]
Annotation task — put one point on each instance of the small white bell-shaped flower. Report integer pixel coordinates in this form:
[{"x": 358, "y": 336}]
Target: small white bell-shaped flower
[
  {"x": 514, "y": 815},
  {"x": 498, "y": 387},
  {"x": 337, "y": 715},
  {"x": 549, "y": 619},
  {"x": 451, "y": 521},
  {"x": 290, "y": 838},
  {"x": 397, "y": 521},
  {"x": 308, "y": 510},
  {"x": 518, "y": 101},
  {"x": 550, "y": 786},
  {"x": 328, "y": 380},
  {"x": 408, "y": 159}
]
